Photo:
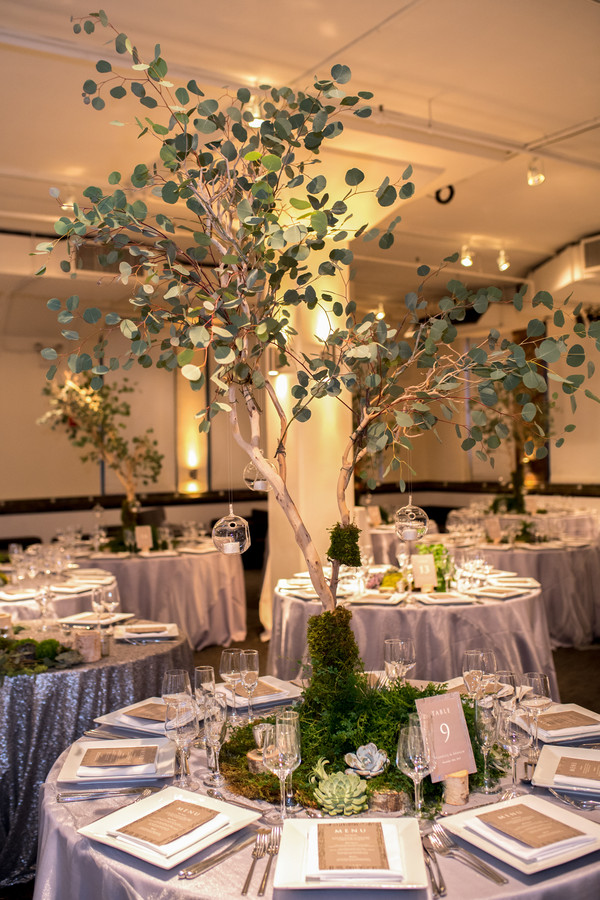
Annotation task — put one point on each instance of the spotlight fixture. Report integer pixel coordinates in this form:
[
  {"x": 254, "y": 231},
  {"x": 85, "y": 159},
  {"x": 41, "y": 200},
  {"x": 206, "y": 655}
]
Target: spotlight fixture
[
  {"x": 535, "y": 173},
  {"x": 380, "y": 314},
  {"x": 466, "y": 257},
  {"x": 503, "y": 261}
]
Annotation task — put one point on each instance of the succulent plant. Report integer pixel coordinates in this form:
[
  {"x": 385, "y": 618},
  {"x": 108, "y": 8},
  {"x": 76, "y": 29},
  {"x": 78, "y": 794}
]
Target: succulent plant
[
  {"x": 368, "y": 761},
  {"x": 338, "y": 794}
]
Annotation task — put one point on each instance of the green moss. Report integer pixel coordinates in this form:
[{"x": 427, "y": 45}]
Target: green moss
[{"x": 343, "y": 545}]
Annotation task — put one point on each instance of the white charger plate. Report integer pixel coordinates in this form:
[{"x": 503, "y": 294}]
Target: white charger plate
[
  {"x": 444, "y": 598},
  {"x": 374, "y": 598},
  {"x": 165, "y": 761},
  {"x": 291, "y": 860},
  {"x": 456, "y": 824},
  {"x": 97, "y": 831},
  {"x": 559, "y": 737},
  {"x": 90, "y": 619},
  {"x": 121, "y": 633},
  {"x": 547, "y": 764},
  {"x": 291, "y": 692},
  {"x": 146, "y": 726},
  {"x": 502, "y": 593}
]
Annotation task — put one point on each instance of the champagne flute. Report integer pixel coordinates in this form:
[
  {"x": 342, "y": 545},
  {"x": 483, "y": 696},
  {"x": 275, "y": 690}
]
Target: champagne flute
[
  {"x": 535, "y": 700},
  {"x": 176, "y": 686},
  {"x": 513, "y": 738},
  {"x": 181, "y": 726},
  {"x": 291, "y": 805},
  {"x": 414, "y": 757},
  {"x": 485, "y": 728},
  {"x": 249, "y": 676},
  {"x": 281, "y": 755},
  {"x": 229, "y": 671},
  {"x": 215, "y": 729},
  {"x": 204, "y": 688},
  {"x": 398, "y": 658}
]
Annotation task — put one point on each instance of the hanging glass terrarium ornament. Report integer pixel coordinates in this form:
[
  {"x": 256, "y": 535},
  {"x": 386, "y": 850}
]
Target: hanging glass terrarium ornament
[
  {"x": 411, "y": 522},
  {"x": 254, "y": 479},
  {"x": 231, "y": 534}
]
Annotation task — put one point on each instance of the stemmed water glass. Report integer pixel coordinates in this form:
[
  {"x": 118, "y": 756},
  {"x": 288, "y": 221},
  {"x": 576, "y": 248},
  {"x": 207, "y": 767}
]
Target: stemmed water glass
[
  {"x": 535, "y": 700},
  {"x": 176, "y": 687},
  {"x": 479, "y": 667},
  {"x": 291, "y": 805},
  {"x": 398, "y": 658},
  {"x": 229, "y": 671},
  {"x": 181, "y": 726},
  {"x": 415, "y": 758},
  {"x": 513, "y": 738},
  {"x": 215, "y": 729},
  {"x": 281, "y": 754},
  {"x": 110, "y": 602},
  {"x": 204, "y": 690},
  {"x": 485, "y": 728},
  {"x": 249, "y": 676}
]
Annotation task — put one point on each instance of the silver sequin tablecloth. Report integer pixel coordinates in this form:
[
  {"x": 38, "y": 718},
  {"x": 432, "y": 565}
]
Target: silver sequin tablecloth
[{"x": 42, "y": 715}]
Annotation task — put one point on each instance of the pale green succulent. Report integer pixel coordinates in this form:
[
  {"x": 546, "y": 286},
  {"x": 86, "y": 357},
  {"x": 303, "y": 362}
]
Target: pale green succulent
[
  {"x": 338, "y": 794},
  {"x": 368, "y": 761}
]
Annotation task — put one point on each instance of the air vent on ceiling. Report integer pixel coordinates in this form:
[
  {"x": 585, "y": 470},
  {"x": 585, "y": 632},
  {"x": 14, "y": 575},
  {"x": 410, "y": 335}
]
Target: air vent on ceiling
[{"x": 591, "y": 253}]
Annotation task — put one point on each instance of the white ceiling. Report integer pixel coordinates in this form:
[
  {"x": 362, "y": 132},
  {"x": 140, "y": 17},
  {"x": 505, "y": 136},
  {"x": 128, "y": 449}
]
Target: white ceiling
[{"x": 467, "y": 91}]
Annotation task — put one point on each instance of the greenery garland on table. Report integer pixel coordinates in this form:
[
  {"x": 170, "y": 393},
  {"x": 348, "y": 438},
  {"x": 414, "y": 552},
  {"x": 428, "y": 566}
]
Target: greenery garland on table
[
  {"x": 340, "y": 712},
  {"x": 24, "y": 656}
]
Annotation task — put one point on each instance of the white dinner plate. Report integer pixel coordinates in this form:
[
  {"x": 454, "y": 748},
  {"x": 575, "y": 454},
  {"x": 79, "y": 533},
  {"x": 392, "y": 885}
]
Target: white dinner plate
[
  {"x": 444, "y": 598},
  {"x": 547, "y": 764},
  {"x": 9, "y": 594},
  {"x": 90, "y": 618},
  {"x": 512, "y": 581},
  {"x": 457, "y": 825},
  {"x": 291, "y": 692},
  {"x": 165, "y": 761},
  {"x": 559, "y": 736},
  {"x": 122, "y": 634},
  {"x": 371, "y": 598},
  {"x": 201, "y": 548},
  {"x": 145, "y": 726},
  {"x": 501, "y": 593},
  {"x": 74, "y": 587},
  {"x": 155, "y": 554},
  {"x": 238, "y": 819},
  {"x": 291, "y": 860}
]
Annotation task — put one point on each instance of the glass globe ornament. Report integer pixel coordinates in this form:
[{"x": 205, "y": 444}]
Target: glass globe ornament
[
  {"x": 254, "y": 479},
  {"x": 231, "y": 534},
  {"x": 411, "y": 522}
]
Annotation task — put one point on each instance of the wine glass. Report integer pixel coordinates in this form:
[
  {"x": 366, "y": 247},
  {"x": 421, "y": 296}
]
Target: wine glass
[
  {"x": 176, "y": 686},
  {"x": 485, "y": 728},
  {"x": 281, "y": 754},
  {"x": 291, "y": 805},
  {"x": 505, "y": 694},
  {"x": 249, "y": 676},
  {"x": 204, "y": 688},
  {"x": 229, "y": 670},
  {"x": 414, "y": 757},
  {"x": 181, "y": 726},
  {"x": 110, "y": 603},
  {"x": 398, "y": 658},
  {"x": 513, "y": 738},
  {"x": 535, "y": 700},
  {"x": 215, "y": 728},
  {"x": 479, "y": 668}
]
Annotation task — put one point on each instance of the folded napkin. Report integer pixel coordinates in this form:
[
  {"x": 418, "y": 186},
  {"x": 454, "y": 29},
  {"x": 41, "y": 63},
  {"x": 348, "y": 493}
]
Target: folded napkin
[
  {"x": 499, "y": 581},
  {"x": 576, "y": 730},
  {"x": 150, "y": 630},
  {"x": 522, "y": 851},
  {"x": 572, "y": 781},
  {"x": 395, "y": 871},
  {"x": 177, "y": 846},
  {"x": 141, "y": 723},
  {"x": 74, "y": 587}
]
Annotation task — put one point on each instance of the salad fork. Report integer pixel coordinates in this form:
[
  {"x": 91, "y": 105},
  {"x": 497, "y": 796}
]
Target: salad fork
[
  {"x": 272, "y": 850},
  {"x": 446, "y": 846},
  {"x": 258, "y": 851}
]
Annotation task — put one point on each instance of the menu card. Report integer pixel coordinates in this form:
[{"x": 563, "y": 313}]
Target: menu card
[
  {"x": 155, "y": 711},
  {"x": 529, "y": 826},
  {"x": 352, "y": 846},
  {"x": 579, "y": 768},
  {"x": 443, "y": 721},
  {"x": 100, "y": 757},
  {"x": 424, "y": 573},
  {"x": 262, "y": 689},
  {"x": 557, "y": 721},
  {"x": 168, "y": 823}
]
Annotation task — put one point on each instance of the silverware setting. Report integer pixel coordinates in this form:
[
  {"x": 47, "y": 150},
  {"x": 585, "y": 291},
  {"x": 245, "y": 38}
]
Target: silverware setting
[
  {"x": 258, "y": 851},
  {"x": 272, "y": 850},
  {"x": 103, "y": 793},
  {"x": 446, "y": 846},
  {"x": 438, "y": 885},
  {"x": 217, "y": 858},
  {"x": 573, "y": 801},
  {"x": 217, "y": 795}
]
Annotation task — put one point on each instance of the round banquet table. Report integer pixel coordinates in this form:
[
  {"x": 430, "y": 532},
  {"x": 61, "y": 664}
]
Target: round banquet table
[
  {"x": 515, "y": 629},
  {"x": 41, "y": 715},
  {"x": 71, "y": 866},
  {"x": 203, "y": 593},
  {"x": 387, "y": 545},
  {"x": 569, "y": 577},
  {"x": 59, "y": 606}
]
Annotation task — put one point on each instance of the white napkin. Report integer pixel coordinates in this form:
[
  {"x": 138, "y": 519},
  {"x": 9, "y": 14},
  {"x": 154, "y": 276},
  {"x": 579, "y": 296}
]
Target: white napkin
[
  {"x": 576, "y": 731},
  {"x": 394, "y": 855},
  {"x": 522, "y": 851},
  {"x": 573, "y": 781},
  {"x": 74, "y": 587},
  {"x": 182, "y": 843},
  {"x": 140, "y": 635},
  {"x": 146, "y": 724}
]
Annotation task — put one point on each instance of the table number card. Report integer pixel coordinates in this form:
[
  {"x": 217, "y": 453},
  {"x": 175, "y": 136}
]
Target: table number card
[
  {"x": 442, "y": 717},
  {"x": 579, "y": 768},
  {"x": 423, "y": 570},
  {"x": 529, "y": 826},
  {"x": 143, "y": 537},
  {"x": 352, "y": 846},
  {"x": 568, "y": 719},
  {"x": 99, "y": 757},
  {"x": 169, "y": 823}
]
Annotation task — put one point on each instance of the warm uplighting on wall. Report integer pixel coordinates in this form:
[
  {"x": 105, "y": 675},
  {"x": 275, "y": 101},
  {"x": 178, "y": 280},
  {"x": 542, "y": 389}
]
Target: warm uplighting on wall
[
  {"x": 380, "y": 314},
  {"x": 535, "y": 173},
  {"x": 281, "y": 387},
  {"x": 466, "y": 256},
  {"x": 322, "y": 325},
  {"x": 503, "y": 261}
]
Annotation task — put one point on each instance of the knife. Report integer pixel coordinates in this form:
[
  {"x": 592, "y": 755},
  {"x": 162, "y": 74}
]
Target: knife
[
  {"x": 217, "y": 858},
  {"x": 71, "y": 796}
]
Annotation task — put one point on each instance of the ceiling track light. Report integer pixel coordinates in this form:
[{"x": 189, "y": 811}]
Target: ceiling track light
[
  {"x": 503, "y": 261},
  {"x": 466, "y": 256},
  {"x": 535, "y": 172}
]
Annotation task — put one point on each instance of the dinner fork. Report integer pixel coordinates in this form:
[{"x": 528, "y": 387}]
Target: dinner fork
[
  {"x": 446, "y": 846},
  {"x": 272, "y": 850},
  {"x": 258, "y": 851}
]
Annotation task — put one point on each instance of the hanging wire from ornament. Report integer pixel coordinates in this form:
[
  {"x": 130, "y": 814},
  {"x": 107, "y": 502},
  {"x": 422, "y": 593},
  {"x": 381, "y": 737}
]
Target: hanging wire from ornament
[
  {"x": 231, "y": 534},
  {"x": 254, "y": 479},
  {"x": 411, "y": 522}
]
